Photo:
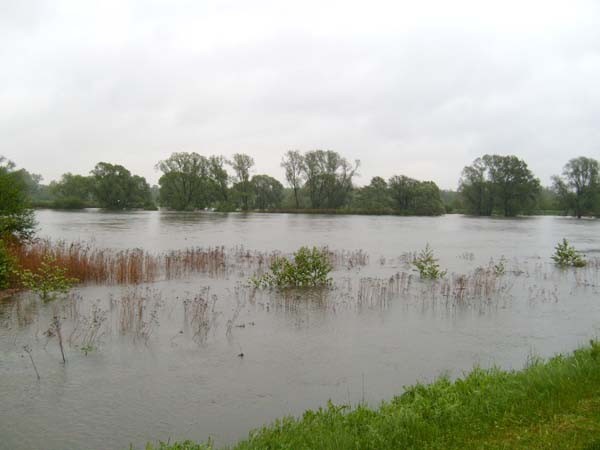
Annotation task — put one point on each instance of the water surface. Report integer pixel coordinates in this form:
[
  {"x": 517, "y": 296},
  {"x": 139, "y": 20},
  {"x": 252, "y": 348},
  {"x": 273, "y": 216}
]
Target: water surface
[{"x": 159, "y": 379}]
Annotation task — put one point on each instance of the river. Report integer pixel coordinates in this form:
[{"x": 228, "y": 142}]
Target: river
[{"x": 178, "y": 373}]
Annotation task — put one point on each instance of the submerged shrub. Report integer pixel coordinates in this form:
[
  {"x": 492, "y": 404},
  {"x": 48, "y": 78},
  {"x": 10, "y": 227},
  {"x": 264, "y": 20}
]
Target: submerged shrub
[
  {"x": 427, "y": 265},
  {"x": 499, "y": 268},
  {"x": 565, "y": 255},
  {"x": 49, "y": 280},
  {"x": 309, "y": 267}
]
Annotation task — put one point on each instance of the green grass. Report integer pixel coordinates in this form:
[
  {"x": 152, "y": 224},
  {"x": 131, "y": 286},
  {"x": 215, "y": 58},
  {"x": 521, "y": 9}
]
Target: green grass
[{"x": 553, "y": 404}]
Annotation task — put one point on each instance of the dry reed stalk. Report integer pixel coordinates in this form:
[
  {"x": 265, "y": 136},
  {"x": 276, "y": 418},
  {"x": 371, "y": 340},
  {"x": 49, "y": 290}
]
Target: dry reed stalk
[
  {"x": 28, "y": 350},
  {"x": 57, "y": 328}
]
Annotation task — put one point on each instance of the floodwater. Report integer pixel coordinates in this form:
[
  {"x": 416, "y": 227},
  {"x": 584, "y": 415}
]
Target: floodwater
[{"x": 163, "y": 361}]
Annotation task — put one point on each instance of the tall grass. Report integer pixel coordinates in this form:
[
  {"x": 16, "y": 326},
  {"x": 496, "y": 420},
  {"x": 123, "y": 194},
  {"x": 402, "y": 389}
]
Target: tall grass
[
  {"x": 87, "y": 263},
  {"x": 98, "y": 265}
]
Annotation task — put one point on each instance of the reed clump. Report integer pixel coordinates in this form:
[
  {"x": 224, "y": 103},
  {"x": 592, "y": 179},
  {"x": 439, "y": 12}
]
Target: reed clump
[
  {"x": 200, "y": 314},
  {"x": 138, "y": 312},
  {"x": 178, "y": 263},
  {"x": 90, "y": 264},
  {"x": 87, "y": 263}
]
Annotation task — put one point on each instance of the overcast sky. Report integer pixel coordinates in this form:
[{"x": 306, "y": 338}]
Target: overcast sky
[{"x": 419, "y": 88}]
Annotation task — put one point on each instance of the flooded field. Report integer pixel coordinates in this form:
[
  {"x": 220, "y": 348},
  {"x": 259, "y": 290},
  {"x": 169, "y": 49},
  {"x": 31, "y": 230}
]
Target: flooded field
[{"x": 193, "y": 351}]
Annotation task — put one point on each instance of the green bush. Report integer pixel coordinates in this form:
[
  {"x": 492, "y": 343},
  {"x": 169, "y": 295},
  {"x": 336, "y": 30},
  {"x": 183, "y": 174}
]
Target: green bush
[
  {"x": 310, "y": 267},
  {"x": 565, "y": 255},
  {"x": 7, "y": 266},
  {"x": 49, "y": 280},
  {"x": 427, "y": 265}
]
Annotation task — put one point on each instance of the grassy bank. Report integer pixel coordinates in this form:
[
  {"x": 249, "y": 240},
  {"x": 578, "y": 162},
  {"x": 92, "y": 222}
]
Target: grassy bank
[{"x": 552, "y": 404}]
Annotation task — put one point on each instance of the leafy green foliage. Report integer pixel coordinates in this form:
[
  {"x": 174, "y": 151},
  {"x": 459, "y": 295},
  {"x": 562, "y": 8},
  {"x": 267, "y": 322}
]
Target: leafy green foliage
[
  {"x": 16, "y": 217},
  {"x": 115, "y": 187},
  {"x": 185, "y": 445},
  {"x": 243, "y": 189},
  {"x": 565, "y": 255},
  {"x": 293, "y": 163},
  {"x": 375, "y": 196},
  {"x": 498, "y": 268},
  {"x": 49, "y": 280},
  {"x": 192, "y": 181},
  {"x": 415, "y": 197},
  {"x": 268, "y": 192},
  {"x": 310, "y": 267},
  {"x": 400, "y": 195},
  {"x": 73, "y": 191},
  {"x": 7, "y": 266},
  {"x": 427, "y": 265},
  {"x": 579, "y": 188},
  {"x": 328, "y": 178},
  {"x": 498, "y": 184}
]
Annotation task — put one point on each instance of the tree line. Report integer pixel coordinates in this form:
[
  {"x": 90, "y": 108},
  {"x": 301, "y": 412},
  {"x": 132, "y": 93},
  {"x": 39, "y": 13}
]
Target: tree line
[
  {"x": 504, "y": 185},
  {"x": 318, "y": 180}
]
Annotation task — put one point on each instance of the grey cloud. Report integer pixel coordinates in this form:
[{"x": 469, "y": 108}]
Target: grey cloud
[{"x": 424, "y": 99}]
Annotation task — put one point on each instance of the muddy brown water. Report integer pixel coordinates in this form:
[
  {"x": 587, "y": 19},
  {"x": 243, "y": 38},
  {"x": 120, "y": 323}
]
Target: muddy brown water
[{"x": 162, "y": 361}]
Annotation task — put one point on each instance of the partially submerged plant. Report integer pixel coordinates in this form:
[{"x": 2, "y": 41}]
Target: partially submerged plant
[
  {"x": 28, "y": 350},
  {"x": 565, "y": 255},
  {"x": 49, "y": 280},
  {"x": 56, "y": 324},
  {"x": 499, "y": 268},
  {"x": 309, "y": 267},
  {"x": 427, "y": 265}
]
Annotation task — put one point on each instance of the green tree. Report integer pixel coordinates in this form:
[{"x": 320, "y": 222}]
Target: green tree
[
  {"x": 579, "y": 189},
  {"x": 219, "y": 180},
  {"x": 452, "y": 201},
  {"x": 293, "y": 164},
  {"x": 16, "y": 217},
  {"x": 268, "y": 192},
  {"x": 73, "y": 191},
  {"x": 402, "y": 190},
  {"x": 515, "y": 187},
  {"x": 116, "y": 188},
  {"x": 427, "y": 200},
  {"x": 548, "y": 200},
  {"x": 498, "y": 183},
  {"x": 375, "y": 197},
  {"x": 476, "y": 189},
  {"x": 410, "y": 196},
  {"x": 183, "y": 185},
  {"x": 328, "y": 178},
  {"x": 243, "y": 189}
]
